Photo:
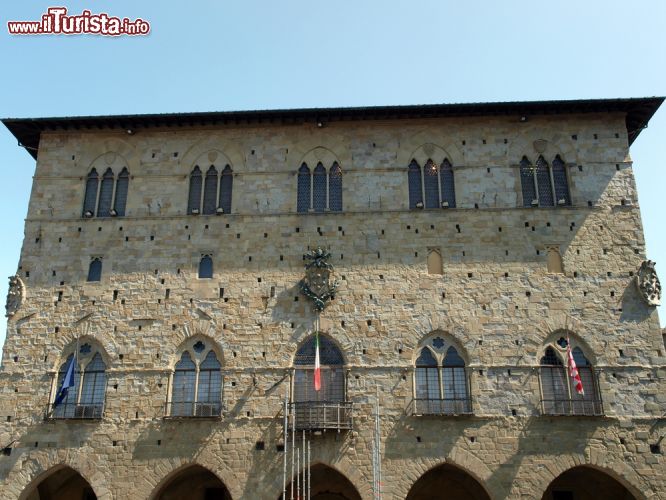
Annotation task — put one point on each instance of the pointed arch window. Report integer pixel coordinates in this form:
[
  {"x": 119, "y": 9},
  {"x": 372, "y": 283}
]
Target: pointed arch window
[
  {"x": 558, "y": 392},
  {"x": 206, "y": 267},
  {"x": 544, "y": 185},
  {"x": 194, "y": 198},
  {"x": 226, "y": 188},
  {"x": 122, "y": 184},
  {"x": 95, "y": 269},
  {"x": 441, "y": 385},
  {"x": 320, "y": 191},
  {"x": 196, "y": 386},
  {"x": 106, "y": 194},
  {"x": 327, "y": 407},
  {"x": 84, "y": 397},
  {"x": 432, "y": 188},
  {"x": 319, "y": 188},
  {"x": 100, "y": 197},
  {"x": 90, "y": 198},
  {"x": 210, "y": 194}
]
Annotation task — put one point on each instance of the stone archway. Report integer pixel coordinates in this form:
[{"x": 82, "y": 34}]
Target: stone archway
[
  {"x": 586, "y": 483},
  {"x": 326, "y": 484},
  {"x": 194, "y": 483},
  {"x": 62, "y": 483},
  {"x": 447, "y": 481}
]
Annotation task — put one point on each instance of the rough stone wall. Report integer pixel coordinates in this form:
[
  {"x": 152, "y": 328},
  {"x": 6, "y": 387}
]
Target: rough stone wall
[{"x": 495, "y": 299}]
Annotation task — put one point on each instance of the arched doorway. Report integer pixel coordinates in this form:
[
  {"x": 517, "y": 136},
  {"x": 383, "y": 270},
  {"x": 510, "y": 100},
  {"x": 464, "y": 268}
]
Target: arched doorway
[
  {"x": 63, "y": 483},
  {"x": 586, "y": 483},
  {"x": 447, "y": 481},
  {"x": 326, "y": 484},
  {"x": 194, "y": 483}
]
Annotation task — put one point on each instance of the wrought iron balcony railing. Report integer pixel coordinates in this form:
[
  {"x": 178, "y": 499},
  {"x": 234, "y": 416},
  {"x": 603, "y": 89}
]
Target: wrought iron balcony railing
[
  {"x": 192, "y": 409},
  {"x": 448, "y": 406},
  {"x": 565, "y": 406},
  {"x": 321, "y": 415},
  {"x": 77, "y": 411}
]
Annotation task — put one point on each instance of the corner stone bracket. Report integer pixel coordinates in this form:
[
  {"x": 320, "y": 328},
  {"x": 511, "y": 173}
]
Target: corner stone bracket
[
  {"x": 15, "y": 295},
  {"x": 648, "y": 283}
]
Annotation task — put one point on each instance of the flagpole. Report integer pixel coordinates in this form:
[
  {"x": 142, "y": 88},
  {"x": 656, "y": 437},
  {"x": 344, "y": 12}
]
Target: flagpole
[
  {"x": 303, "y": 464},
  {"x": 309, "y": 477},
  {"x": 293, "y": 445},
  {"x": 285, "y": 439}
]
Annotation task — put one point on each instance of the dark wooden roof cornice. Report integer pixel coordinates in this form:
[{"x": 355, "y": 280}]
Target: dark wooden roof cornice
[{"x": 638, "y": 112}]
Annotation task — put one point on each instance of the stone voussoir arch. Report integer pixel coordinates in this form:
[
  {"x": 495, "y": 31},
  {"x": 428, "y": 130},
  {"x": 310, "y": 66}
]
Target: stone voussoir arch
[
  {"x": 542, "y": 477},
  {"x": 221, "y": 151},
  {"x": 205, "y": 330},
  {"x": 39, "y": 466},
  {"x": 344, "y": 345},
  {"x": 532, "y": 143},
  {"x": 422, "y": 145},
  {"x": 452, "y": 338},
  {"x": 328, "y": 148},
  {"x": 458, "y": 458},
  {"x": 153, "y": 483},
  {"x": 112, "y": 148},
  {"x": 343, "y": 467},
  {"x": 86, "y": 331}
]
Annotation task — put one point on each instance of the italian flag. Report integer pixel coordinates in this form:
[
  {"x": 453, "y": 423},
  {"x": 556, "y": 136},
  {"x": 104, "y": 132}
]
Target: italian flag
[
  {"x": 573, "y": 372},
  {"x": 317, "y": 370}
]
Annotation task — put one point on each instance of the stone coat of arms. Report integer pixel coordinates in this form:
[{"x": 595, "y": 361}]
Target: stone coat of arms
[
  {"x": 318, "y": 284},
  {"x": 648, "y": 284},
  {"x": 15, "y": 295}
]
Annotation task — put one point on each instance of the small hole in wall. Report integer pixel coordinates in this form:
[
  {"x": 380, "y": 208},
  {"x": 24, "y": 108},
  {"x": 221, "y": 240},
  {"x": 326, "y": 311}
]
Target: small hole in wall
[
  {"x": 508, "y": 372},
  {"x": 369, "y": 322},
  {"x": 575, "y": 274},
  {"x": 122, "y": 301},
  {"x": 418, "y": 438},
  {"x": 59, "y": 240},
  {"x": 121, "y": 356},
  {"x": 596, "y": 136},
  {"x": 167, "y": 293},
  {"x": 580, "y": 168},
  {"x": 528, "y": 293},
  {"x": 654, "y": 448},
  {"x": 513, "y": 412},
  {"x": 506, "y": 275},
  {"x": 470, "y": 275},
  {"x": 472, "y": 439},
  {"x": 621, "y": 353},
  {"x": 622, "y": 441},
  {"x": 458, "y": 227},
  {"x": 57, "y": 329},
  {"x": 617, "y": 166}
]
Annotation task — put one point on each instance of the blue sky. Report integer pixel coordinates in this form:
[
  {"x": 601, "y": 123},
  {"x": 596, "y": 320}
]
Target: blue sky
[{"x": 226, "y": 55}]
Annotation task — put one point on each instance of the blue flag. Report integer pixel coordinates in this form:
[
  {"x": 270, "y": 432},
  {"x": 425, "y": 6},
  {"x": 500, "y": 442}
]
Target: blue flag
[{"x": 66, "y": 383}]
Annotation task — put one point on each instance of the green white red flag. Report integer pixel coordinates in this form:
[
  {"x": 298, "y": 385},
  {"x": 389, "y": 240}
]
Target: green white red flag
[
  {"x": 317, "y": 370},
  {"x": 573, "y": 371}
]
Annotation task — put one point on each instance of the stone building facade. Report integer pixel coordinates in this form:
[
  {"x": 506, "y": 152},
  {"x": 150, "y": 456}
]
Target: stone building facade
[{"x": 474, "y": 246}]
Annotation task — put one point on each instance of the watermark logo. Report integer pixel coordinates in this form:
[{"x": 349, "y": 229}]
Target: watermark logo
[{"x": 56, "y": 21}]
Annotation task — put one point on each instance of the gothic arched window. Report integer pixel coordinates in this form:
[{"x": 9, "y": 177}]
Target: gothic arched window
[
  {"x": 441, "y": 385},
  {"x": 196, "y": 387},
  {"x": 226, "y": 188},
  {"x": 90, "y": 198},
  {"x": 327, "y": 407},
  {"x": 438, "y": 188},
  {"x": 83, "y": 396},
  {"x": 194, "y": 198},
  {"x": 106, "y": 194},
  {"x": 303, "y": 195},
  {"x": 206, "y": 267},
  {"x": 122, "y": 185},
  {"x": 415, "y": 189},
  {"x": 558, "y": 391},
  {"x": 319, "y": 188},
  {"x": 319, "y": 191},
  {"x": 335, "y": 188},
  {"x": 543, "y": 185},
  {"x": 210, "y": 191},
  {"x": 95, "y": 270}
]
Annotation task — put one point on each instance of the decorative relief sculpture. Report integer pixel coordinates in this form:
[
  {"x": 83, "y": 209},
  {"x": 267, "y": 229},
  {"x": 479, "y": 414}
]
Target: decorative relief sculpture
[
  {"x": 648, "y": 283},
  {"x": 15, "y": 295},
  {"x": 317, "y": 284}
]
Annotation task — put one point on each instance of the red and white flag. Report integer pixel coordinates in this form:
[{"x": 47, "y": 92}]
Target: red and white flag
[
  {"x": 573, "y": 372},
  {"x": 317, "y": 370}
]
